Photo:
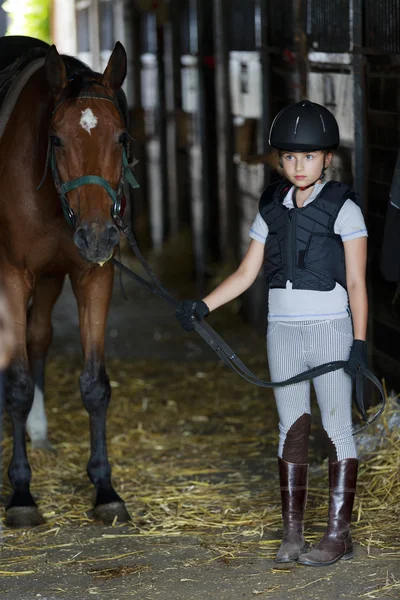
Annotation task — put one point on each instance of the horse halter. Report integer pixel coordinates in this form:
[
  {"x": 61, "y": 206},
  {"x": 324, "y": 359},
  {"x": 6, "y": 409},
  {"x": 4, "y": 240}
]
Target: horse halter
[{"x": 63, "y": 188}]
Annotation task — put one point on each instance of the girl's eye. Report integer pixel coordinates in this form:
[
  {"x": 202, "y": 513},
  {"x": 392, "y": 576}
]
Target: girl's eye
[
  {"x": 309, "y": 156},
  {"x": 288, "y": 157}
]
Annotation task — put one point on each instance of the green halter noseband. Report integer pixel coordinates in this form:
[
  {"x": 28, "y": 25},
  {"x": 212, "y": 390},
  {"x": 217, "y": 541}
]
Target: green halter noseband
[
  {"x": 116, "y": 195},
  {"x": 64, "y": 187}
]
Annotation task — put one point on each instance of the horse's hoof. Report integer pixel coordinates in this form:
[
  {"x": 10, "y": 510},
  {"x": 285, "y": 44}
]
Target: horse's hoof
[
  {"x": 42, "y": 444},
  {"x": 108, "y": 512},
  {"x": 24, "y": 516}
]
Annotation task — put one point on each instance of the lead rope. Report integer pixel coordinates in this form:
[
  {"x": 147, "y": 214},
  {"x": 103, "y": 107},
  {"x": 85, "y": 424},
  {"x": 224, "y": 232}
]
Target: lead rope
[
  {"x": 121, "y": 283},
  {"x": 227, "y": 355}
]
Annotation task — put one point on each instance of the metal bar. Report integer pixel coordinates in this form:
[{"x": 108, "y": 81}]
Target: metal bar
[
  {"x": 300, "y": 48},
  {"x": 135, "y": 57},
  {"x": 120, "y": 32},
  {"x": 360, "y": 132},
  {"x": 262, "y": 9},
  {"x": 162, "y": 130},
  {"x": 95, "y": 34},
  {"x": 359, "y": 96},
  {"x": 197, "y": 156},
  {"x": 172, "y": 82},
  {"x": 139, "y": 205},
  {"x": 394, "y": 23},
  {"x": 224, "y": 125},
  {"x": 367, "y": 19}
]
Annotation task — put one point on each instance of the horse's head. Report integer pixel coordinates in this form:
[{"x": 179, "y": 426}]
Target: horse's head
[{"x": 88, "y": 141}]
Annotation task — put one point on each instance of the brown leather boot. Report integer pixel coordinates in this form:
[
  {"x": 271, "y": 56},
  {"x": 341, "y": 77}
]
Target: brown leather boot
[
  {"x": 293, "y": 479},
  {"x": 337, "y": 542}
]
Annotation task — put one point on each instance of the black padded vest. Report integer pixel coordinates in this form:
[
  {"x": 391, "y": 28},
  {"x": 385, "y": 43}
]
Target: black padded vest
[{"x": 302, "y": 246}]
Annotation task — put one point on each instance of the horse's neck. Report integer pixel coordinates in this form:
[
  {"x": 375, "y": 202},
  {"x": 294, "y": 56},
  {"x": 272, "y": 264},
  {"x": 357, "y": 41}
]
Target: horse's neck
[
  {"x": 33, "y": 112},
  {"x": 38, "y": 96},
  {"x": 25, "y": 140}
]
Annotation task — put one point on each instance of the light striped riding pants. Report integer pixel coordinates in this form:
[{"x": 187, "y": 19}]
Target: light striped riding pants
[{"x": 294, "y": 347}]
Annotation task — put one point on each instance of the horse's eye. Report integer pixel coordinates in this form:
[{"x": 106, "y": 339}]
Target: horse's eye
[
  {"x": 123, "y": 138},
  {"x": 55, "y": 140}
]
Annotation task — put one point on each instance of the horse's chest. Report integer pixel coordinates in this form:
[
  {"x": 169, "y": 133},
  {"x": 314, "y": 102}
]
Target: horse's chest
[{"x": 35, "y": 250}]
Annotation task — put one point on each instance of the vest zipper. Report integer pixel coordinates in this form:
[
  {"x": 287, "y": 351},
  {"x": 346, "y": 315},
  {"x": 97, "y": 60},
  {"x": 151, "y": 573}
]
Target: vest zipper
[{"x": 291, "y": 244}]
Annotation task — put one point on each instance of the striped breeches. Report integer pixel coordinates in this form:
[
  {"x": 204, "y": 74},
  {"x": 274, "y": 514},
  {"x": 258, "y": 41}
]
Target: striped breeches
[{"x": 294, "y": 347}]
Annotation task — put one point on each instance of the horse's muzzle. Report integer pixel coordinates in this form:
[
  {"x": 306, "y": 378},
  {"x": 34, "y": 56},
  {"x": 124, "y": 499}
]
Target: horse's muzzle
[{"x": 96, "y": 244}]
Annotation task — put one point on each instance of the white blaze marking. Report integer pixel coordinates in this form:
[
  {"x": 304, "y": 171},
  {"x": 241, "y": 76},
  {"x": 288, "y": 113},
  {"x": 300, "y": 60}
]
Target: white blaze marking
[{"x": 88, "y": 120}]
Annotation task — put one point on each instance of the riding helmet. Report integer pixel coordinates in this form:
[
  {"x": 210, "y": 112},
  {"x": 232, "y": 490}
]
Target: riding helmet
[{"x": 304, "y": 126}]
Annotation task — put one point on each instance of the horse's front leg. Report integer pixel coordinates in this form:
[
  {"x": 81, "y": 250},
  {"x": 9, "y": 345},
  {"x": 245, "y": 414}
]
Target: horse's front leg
[
  {"x": 39, "y": 336},
  {"x": 21, "y": 509},
  {"x": 93, "y": 293}
]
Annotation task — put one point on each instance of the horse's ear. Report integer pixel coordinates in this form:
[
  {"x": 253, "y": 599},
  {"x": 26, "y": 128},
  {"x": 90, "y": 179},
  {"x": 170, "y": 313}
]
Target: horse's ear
[
  {"x": 115, "y": 72},
  {"x": 56, "y": 72}
]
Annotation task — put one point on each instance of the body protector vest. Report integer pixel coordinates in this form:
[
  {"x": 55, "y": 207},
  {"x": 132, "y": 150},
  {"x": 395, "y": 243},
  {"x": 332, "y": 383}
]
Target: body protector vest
[{"x": 301, "y": 245}]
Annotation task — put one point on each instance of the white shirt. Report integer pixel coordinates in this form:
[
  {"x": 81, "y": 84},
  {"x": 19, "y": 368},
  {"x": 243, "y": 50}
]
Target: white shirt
[{"x": 287, "y": 304}]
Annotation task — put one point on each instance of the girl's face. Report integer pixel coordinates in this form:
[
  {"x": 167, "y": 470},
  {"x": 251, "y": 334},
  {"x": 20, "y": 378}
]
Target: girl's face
[{"x": 303, "y": 168}]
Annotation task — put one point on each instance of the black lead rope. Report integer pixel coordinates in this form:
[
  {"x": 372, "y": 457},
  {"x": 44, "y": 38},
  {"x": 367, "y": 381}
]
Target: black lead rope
[{"x": 227, "y": 355}]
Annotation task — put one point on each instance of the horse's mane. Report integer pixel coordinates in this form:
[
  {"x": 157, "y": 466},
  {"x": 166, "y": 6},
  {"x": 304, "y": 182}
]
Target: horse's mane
[{"x": 81, "y": 78}]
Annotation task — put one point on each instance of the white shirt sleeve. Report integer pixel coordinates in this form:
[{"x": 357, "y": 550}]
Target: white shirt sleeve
[
  {"x": 350, "y": 222},
  {"x": 259, "y": 229}
]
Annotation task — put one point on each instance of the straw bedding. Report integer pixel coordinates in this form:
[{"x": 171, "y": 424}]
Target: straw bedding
[{"x": 193, "y": 451}]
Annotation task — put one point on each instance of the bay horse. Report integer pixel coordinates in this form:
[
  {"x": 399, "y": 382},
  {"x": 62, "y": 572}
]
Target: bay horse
[{"x": 66, "y": 132}]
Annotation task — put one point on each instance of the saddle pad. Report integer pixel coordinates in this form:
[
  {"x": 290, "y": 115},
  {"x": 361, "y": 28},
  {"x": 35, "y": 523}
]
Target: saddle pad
[{"x": 16, "y": 88}]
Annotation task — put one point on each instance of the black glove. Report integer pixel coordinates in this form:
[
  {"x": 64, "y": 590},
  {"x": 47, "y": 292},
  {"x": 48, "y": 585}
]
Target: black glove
[
  {"x": 189, "y": 311},
  {"x": 358, "y": 357}
]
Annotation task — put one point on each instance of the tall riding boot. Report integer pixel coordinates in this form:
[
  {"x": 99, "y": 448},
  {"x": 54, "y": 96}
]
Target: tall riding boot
[
  {"x": 337, "y": 542},
  {"x": 293, "y": 478}
]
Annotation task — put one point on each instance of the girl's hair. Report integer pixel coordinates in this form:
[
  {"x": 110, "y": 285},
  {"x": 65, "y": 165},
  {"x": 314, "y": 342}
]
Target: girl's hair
[
  {"x": 325, "y": 151},
  {"x": 329, "y": 151}
]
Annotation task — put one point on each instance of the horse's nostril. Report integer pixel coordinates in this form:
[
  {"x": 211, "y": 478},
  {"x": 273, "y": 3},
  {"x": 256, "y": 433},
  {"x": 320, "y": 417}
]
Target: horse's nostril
[
  {"x": 96, "y": 243},
  {"x": 81, "y": 238},
  {"x": 113, "y": 235}
]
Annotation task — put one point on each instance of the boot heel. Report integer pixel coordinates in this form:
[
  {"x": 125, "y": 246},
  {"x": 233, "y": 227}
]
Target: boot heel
[{"x": 348, "y": 555}]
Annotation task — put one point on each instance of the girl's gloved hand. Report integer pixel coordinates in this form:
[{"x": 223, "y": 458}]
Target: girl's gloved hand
[
  {"x": 358, "y": 357},
  {"x": 190, "y": 311}
]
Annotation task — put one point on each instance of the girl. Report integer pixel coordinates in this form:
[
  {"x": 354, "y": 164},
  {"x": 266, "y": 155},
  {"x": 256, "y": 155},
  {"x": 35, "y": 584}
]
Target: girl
[{"x": 310, "y": 236}]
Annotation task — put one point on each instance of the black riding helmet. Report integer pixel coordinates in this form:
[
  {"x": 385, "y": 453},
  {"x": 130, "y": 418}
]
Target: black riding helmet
[{"x": 303, "y": 127}]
